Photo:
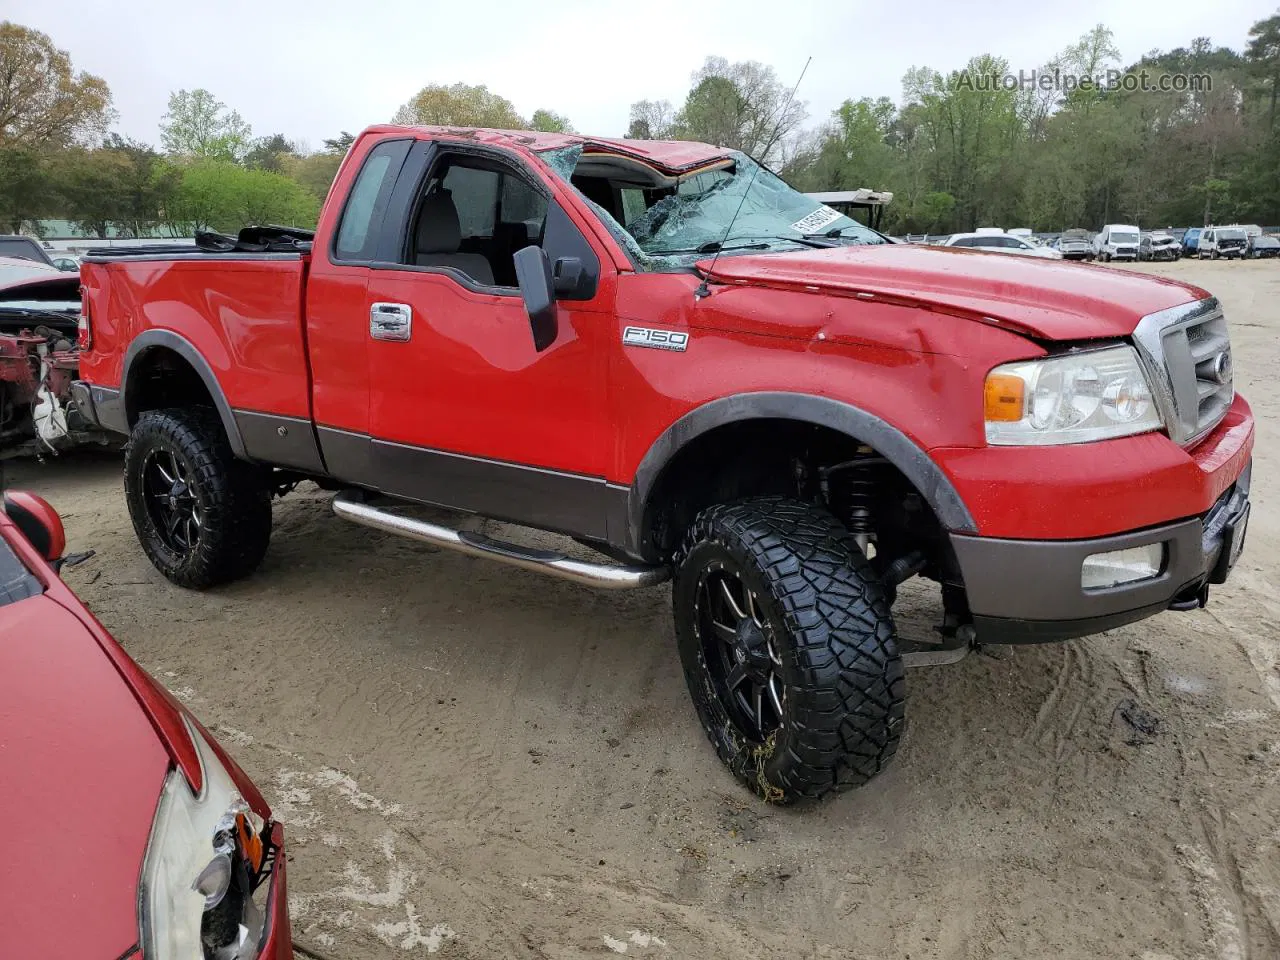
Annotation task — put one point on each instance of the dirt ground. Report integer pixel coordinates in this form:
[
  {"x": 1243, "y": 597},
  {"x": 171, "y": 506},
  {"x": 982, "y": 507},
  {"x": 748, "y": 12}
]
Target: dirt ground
[{"x": 478, "y": 762}]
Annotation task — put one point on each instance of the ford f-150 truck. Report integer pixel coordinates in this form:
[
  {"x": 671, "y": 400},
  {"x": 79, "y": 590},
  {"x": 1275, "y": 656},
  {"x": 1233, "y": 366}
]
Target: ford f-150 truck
[{"x": 666, "y": 353}]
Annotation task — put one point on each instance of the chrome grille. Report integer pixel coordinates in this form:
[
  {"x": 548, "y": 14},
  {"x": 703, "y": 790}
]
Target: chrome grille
[{"x": 1187, "y": 353}]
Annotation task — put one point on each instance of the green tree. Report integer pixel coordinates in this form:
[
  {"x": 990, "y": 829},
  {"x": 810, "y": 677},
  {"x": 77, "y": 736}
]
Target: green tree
[
  {"x": 269, "y": 153},
  {"x": 92, "y": 187},
  {"x": 1263, "y": 55},
  {"x": 200, "y": 126},
  {"x": 341, "y": 143},
  {"x": 142, "y": 194},
  {"x": 652, "y": 120},
  {"x": 550, "y": 122},
  {"x": 854, "y": 149},
  {"x": 224, "y": 196},
  {"x": 459, "y": 105},
  {"x": 314, "y": 172},
  {"x": 26, "y": 188},
  {"x": 742, "y": 106},
  {"x": 43, "y": 101}
]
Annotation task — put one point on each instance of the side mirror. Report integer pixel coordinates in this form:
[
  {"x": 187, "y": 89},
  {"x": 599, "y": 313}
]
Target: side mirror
[
  {"x": 38, "y": 522},
  {"x": 537, "y": 288}
]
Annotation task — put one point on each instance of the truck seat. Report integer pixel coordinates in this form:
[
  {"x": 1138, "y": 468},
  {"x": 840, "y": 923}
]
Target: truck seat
[{"x": 438, "y": 237}]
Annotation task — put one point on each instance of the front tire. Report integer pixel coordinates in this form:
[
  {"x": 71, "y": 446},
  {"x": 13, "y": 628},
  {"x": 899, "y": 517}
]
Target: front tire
[
  {"x": 788, "y": 648},
  {"x": 202, "y": 516}
]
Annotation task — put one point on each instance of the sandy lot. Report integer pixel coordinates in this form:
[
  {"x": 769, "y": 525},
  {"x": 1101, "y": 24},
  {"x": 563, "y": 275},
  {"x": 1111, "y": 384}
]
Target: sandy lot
[{"x": 477, "y": 762}]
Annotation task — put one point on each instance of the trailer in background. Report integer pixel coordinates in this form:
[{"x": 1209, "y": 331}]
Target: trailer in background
[{"x": 870, "y": 202}]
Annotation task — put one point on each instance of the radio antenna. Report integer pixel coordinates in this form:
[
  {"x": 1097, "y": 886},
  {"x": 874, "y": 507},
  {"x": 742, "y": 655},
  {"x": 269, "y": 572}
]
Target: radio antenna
[{"x": 704, "y": 290}]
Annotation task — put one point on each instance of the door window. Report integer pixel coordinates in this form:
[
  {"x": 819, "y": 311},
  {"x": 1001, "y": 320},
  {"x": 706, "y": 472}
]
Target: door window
[{"x": 473, "y": 217}]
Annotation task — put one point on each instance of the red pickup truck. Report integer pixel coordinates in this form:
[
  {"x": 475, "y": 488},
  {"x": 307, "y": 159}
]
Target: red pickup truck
[{"x": 665, "y": 352}]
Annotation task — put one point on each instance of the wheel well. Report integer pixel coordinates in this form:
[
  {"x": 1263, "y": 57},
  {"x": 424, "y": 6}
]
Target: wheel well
[
  {"x": 161, "y": 377},
  {"x": 812, "y": 463}
]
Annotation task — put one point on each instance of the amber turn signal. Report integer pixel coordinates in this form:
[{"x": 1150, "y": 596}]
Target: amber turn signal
[
  {"x": 1003, "y": 398},
  {"x": 250, "y": 842}
]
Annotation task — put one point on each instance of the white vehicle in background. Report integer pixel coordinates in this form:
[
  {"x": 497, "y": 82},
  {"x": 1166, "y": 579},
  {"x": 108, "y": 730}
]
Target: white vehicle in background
[
  {"x": 1217, "y": 243},
  {"x": 1117, "y": 241},
  {"x": 1000, "y": 243}
]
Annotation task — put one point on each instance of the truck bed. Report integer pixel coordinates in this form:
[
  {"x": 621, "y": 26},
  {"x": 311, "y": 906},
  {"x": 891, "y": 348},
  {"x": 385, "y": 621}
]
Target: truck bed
[{"x": 241, "y": 311}]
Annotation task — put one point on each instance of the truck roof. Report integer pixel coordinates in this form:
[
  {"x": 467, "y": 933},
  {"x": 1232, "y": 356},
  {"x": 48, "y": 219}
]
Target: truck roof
[{"x": 675, "y": 156}]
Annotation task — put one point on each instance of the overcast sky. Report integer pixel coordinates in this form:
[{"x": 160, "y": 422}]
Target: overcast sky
[{"x": 311, "y": 69}]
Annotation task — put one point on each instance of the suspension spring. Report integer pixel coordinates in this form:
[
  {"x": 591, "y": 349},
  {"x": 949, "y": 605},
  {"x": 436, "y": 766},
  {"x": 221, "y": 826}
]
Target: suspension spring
[{"x": 850, "y": 489}]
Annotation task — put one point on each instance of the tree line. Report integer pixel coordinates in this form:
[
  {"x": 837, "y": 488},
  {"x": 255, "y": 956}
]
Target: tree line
[{"x": 981, "y": 146}]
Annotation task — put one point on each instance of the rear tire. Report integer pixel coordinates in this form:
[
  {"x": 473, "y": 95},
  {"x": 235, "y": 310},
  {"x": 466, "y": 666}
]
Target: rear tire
[
  {"x": 788, "y": 649},
  {"x": 202, "y": 516}
]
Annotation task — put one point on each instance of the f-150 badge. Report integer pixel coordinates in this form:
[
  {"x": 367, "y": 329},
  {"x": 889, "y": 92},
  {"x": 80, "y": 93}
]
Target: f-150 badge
[{"x": 658, "y": 339}]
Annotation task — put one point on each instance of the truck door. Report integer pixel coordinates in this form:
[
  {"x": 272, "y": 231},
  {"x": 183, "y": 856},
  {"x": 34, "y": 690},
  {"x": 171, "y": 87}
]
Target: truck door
[
  {"x": 464, "y": 410},
  {"x": 337, "y": 323}
]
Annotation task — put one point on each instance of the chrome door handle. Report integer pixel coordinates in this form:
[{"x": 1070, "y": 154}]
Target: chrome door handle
[{"x": 391, "y": 321}]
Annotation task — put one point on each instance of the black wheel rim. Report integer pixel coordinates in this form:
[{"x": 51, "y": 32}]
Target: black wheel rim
[
  {"x": 739, "y": 651},
  {"x": 171, "y": 501}
]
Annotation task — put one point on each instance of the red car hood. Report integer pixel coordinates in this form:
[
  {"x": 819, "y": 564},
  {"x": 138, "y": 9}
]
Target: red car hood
[
  {"x": 1048, "y": 299},
  {"x": 81, "y": 767}
]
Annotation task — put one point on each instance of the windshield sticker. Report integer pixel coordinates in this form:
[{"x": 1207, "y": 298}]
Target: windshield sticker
[{"x": 815, "y": 221}]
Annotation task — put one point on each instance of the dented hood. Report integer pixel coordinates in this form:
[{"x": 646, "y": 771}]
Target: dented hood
[
  {"x": 81, "y": 768},
  {"x": 1046, "y": 299}
]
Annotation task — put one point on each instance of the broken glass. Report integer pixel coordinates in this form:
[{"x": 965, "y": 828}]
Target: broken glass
[
  {"x": 746, "y": 207},
  {"x": 562, "y": 160}
]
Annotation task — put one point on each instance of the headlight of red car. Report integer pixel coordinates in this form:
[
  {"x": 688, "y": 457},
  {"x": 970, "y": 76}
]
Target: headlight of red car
[{"x": 205, "y": 859}]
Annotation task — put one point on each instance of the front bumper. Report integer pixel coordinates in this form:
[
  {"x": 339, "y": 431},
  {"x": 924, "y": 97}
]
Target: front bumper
[
  {"x": 277, "y": 942},
  {"x": 1029, "y": 591}
]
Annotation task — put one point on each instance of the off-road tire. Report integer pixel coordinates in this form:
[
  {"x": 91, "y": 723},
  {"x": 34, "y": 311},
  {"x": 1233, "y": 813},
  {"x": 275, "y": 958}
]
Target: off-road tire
[
  {"x": 233, "y": 496},
  {"x": 845, "y": 696}
]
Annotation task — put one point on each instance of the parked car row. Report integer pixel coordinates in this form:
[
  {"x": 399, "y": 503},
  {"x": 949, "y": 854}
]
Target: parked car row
[
  {"x": 1159, "y": 246},
  {"x": 1001, "y": 243},
  {"x": 1118, "y": 242},
  {"x": 28, "y": 248}
]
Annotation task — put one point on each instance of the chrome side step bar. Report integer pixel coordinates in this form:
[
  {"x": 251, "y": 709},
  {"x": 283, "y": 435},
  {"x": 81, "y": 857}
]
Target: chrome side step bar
[
  {"x": 349, "y": 505},
  {"x": 941, "y": 657}
]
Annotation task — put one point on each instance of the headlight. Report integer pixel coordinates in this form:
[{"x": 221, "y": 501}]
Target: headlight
[
  {"x": 1093, "y": 395},
  {"x": 203, "y": 862}
]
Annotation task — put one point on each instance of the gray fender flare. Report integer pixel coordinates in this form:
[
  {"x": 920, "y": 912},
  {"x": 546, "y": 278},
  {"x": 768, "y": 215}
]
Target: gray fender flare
[
  {"x": 890, "y": 442},
  {"x": 151, "y": 339}
]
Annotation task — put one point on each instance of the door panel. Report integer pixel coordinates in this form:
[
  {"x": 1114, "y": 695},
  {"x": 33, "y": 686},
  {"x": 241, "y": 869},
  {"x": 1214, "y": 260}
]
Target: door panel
[
  {"x": 337, "y": 312},
  {"x": 466, "y": 406},
  {"x": 466, "y": 412}
]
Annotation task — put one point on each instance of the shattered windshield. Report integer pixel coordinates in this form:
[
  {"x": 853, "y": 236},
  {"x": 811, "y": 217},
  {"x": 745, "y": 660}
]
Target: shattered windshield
[{"x": 742, "y": 207}]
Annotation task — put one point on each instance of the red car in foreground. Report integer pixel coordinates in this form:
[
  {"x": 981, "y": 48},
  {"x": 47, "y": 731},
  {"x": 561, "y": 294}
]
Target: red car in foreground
[{"x": 131, "y": 832}]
